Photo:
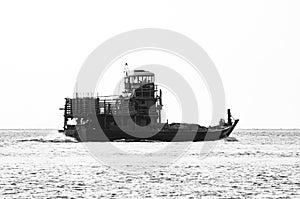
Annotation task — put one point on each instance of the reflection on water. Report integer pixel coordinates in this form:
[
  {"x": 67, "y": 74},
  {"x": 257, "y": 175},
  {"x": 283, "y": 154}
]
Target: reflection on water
[{"x": 46, "y": 164}]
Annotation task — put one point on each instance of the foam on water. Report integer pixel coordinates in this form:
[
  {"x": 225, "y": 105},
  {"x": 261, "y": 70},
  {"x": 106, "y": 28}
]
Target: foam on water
[
  {"x": 46, "y": 164},
  {"x": 55, "y": 137}
]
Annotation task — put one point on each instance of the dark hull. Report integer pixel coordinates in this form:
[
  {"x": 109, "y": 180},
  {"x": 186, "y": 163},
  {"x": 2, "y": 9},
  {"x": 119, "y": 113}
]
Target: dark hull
[{"x": 83, "y": 134}]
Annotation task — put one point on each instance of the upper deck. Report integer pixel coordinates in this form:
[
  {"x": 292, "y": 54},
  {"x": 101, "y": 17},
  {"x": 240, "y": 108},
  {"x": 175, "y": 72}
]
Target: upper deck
[{"x": 136, "y": 78}]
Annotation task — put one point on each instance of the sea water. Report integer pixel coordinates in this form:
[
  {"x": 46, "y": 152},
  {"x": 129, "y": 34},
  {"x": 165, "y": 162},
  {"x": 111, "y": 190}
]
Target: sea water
[{"x": 256, "y": 163}]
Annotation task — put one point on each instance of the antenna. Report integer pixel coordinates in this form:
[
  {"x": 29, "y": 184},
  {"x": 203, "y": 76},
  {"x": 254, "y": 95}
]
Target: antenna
[{"x": 76, "y": 90}]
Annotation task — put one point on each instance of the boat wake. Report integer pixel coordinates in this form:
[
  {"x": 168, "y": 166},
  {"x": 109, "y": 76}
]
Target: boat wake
[
  {"x": 43, "y": 140},
  {"x": 53, "y": 138}
]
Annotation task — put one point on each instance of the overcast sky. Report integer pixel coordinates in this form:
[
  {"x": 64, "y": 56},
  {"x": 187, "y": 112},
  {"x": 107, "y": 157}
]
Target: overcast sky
[{"x": 255, "y": 46}]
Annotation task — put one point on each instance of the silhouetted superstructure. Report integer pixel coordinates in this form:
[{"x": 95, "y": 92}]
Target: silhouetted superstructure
[{"x": 108, "y": 118}]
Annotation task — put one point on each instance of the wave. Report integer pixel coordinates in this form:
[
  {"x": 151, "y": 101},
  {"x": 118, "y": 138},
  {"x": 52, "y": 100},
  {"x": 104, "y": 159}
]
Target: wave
[{"x": 231, "y": 139}]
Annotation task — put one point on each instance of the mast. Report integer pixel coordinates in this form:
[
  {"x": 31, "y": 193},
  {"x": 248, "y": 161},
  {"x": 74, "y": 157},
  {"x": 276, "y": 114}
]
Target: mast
[
  {"x": 229, "y": 121},
  {"x": 126, "y": 69}
]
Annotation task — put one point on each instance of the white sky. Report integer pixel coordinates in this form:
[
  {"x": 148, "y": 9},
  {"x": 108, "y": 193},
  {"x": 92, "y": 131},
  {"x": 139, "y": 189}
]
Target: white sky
[{"x": 254, "y": 44}]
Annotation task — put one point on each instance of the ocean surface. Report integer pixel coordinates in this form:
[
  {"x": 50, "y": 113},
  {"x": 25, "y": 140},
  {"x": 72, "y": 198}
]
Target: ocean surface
[{"x": 254, "y": 164}]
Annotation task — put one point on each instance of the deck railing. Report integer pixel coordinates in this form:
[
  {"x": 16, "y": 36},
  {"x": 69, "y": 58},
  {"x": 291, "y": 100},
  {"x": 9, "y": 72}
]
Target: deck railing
[{"x": 82, "y": 107}]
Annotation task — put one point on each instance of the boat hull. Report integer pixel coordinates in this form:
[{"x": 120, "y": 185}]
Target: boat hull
[{"x": 83, "y": 134}]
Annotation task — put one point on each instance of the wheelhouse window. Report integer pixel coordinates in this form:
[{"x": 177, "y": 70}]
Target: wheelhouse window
[
  {"x": 152, "y": 79},
  {"x": 144, "y": 78}
]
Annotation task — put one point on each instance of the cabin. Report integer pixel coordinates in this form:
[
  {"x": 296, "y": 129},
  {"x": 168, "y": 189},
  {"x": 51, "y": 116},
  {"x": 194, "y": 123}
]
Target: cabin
[{"x": 140, "y": 102}]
